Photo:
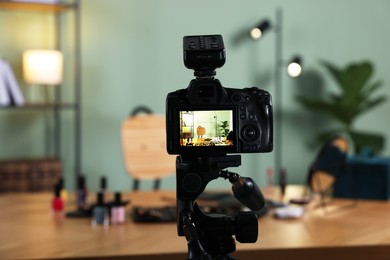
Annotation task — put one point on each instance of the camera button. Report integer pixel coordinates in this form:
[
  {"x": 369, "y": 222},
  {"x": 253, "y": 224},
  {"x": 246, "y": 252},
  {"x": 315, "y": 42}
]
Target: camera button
[
  {"x": 243, "y": 116},
  {"x": 251, "y": 116},
  {"x": 264, "y": 99},
  {"x": 192, "y": 45},
  {"x": 250, "y": 133},
  {"x": 242, "y": 108},
  {"x": 236, "y": 97},
  {"x": 249, "y": 148},
  {"x": 247, "y": 98}
]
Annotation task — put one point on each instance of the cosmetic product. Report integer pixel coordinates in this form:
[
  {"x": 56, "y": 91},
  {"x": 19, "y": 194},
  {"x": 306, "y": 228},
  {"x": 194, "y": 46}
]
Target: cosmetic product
[
  {"x": 283, "y": 181},
  {"x": 118, "y": 210},
  {"x": 270, "y": 177},
  {"x": 63, "y": 192},
  {"x": 57, "y": 204},
  {"x": 100, "y": 212},
  {"x": 82, "y": 193},
  {"x": 103, "y": 188}
]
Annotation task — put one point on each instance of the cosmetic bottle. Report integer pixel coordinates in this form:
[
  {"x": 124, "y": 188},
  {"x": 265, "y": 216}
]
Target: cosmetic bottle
[
  {"x": 103, "y": 188},
  {"x": 100, "y": 212},
  {"x": 283, "y": 181},
  {"x": 57, "y": 204},
  {"x": 118, "y": 210},
  {"x": 82, "y": 194},
  {"x": 63, "y": 192}
]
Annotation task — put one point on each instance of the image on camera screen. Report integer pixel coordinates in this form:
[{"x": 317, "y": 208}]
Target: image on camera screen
[{"x": 206, "y": 128}]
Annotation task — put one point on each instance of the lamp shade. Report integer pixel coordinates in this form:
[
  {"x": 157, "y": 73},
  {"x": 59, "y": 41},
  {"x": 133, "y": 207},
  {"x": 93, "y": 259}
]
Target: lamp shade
[
  {"x": 187, "y": 129},
  {"x": 42, "y": 67}
]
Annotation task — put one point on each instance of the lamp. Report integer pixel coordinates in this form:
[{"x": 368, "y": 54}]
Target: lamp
[
  {"x": 257, "y": 31},
  {"x": 42, "y": 67},
  {"x": 294, "y": 69},
  {"x": 187, "y": 131}
]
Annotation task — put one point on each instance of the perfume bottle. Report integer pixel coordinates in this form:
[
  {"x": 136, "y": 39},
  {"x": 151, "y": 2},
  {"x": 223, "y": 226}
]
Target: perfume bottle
[
  {"x": 100, "y": 211},
  {"x": 118, "y": 210}
]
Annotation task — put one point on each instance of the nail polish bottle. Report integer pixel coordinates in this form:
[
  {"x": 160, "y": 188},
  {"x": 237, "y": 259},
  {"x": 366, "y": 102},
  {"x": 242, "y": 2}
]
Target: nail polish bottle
[
  {"x": 118, "y": 210},
  {"x": 103, "y": 188},
  {"x": 63, "y": 192},
  {"x": 283, "y": 181},
  {"x": 100, "y": 212},
  {"x": 57, "y": 204},
  {"x": 82, "y": 194}
]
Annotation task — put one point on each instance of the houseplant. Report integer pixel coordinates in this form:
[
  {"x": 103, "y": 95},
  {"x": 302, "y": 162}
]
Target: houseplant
[
  {"x": 224, "y": 128},
  {"x": 355, "y": 97}
]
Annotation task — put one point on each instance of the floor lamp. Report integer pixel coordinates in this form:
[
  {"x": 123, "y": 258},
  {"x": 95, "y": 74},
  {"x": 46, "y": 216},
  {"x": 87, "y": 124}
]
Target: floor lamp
[{"x": 294, "y": 69}]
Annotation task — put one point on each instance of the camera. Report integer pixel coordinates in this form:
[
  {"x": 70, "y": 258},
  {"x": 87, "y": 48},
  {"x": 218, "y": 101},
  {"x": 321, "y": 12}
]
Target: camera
[
  {"x": 205, "y": 122},
  {"x": 208, "y": 119}
]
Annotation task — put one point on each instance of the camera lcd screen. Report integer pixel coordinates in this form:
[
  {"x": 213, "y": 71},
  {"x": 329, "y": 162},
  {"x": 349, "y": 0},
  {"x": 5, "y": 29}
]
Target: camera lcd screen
[{"x": 206, "y": 128}]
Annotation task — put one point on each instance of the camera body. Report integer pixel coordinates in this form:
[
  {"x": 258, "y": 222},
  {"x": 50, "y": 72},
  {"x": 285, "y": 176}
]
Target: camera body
[{"x": 208, "y": 119}]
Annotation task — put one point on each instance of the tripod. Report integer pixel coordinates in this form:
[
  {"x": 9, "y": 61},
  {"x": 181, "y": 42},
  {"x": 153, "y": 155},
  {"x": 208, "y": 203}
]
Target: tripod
[{"x": 210, "y": 236}]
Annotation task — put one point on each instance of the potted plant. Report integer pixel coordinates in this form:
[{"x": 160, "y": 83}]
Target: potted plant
[
  {"x": 224, "y": 128},
  {"x": 354, "y": 98}
]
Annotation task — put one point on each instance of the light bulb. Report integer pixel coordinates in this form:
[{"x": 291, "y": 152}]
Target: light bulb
[
  {"x": 255, "y": 33},
  {"x": 294, "y": 69}
]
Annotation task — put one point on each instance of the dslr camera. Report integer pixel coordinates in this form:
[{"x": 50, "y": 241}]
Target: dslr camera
[{"x": 208, "y": 119}]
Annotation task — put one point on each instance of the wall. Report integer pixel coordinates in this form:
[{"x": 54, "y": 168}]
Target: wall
[{"x": 132, "y": 55}]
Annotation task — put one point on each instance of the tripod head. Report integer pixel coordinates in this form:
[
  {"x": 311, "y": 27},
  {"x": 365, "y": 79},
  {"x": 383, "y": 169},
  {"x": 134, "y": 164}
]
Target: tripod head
[{"x": 211, "y": 235}]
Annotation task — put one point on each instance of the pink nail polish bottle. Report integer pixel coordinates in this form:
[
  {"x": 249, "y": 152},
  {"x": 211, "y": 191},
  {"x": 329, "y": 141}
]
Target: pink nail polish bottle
[{"x": 118, "y": 210}]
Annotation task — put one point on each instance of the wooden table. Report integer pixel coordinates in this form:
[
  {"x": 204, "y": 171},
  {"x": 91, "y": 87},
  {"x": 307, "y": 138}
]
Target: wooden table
[{"x": 29, "y": 231}]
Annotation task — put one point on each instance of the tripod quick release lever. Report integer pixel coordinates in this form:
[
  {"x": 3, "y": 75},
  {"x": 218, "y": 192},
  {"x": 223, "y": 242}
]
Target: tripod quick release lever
[{"x": 245, "y": 190}]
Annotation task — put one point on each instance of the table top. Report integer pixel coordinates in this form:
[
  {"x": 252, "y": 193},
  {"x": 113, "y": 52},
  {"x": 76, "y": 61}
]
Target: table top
[{"x": 28, "y": 230}]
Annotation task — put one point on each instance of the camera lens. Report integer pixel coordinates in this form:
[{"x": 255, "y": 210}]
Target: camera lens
[{"x": 250, "y": 133}]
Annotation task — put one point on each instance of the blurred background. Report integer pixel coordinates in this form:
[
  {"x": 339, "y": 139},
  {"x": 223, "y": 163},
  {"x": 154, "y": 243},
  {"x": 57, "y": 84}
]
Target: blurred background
[{"x": 131, "y": 55}]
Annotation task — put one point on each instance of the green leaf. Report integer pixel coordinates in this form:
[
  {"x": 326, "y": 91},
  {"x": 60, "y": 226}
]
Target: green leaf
[
  {"x": 354, "y": 99},
  {"x": 331, "y": 109},
  {"x": 323, "y": 136},
  {"x": 354, "y": 78},
  {"x": 370, "y": 104},
  {"x": 335, "y": 98},
  {"x": 371, "y": 88},
  {"x": 334, "y": 71}
]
